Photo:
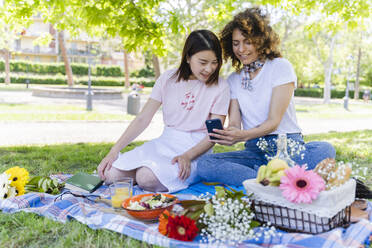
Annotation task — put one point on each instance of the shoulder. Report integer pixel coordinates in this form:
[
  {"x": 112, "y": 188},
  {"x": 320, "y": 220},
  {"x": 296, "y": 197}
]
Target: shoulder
[
  {"x": 280, "y": 63},
  {"x": 169, "y": 74},
  {"x": 233, "y": 76}
]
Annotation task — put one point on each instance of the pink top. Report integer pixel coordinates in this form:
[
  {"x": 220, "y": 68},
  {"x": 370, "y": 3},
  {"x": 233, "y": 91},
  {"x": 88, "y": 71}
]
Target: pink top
[{"x": 188, "y": 104}]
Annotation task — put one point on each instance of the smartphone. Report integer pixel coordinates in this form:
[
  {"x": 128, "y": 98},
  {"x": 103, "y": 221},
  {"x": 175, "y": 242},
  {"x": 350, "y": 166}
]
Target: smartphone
[{"x": 211, "y": 124}]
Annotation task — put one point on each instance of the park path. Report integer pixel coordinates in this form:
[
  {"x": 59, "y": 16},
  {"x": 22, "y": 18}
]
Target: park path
[{"x": 31, "y": 133}]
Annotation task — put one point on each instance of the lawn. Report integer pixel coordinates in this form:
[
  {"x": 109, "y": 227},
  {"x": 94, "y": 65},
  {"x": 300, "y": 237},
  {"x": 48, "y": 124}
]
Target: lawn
[
  {"x": 334, "y": 111},
  {"x": 56, "y": 112},
  {"x": 30, "y": 230},
  {"x": 69, "y": 112}
]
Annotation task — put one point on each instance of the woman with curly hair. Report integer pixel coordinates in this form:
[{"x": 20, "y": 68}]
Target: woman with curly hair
[{"x": 261, "y": 91}]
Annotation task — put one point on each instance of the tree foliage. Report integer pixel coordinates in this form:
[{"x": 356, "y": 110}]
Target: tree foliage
[{"x": 136, "y": 22}]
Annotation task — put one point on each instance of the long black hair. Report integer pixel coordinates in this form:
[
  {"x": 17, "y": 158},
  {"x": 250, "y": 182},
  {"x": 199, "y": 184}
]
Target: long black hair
[{"x": 197, "y": 41}]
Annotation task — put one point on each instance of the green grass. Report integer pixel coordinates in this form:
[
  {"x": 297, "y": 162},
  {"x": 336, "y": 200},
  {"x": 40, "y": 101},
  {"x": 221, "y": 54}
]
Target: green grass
[
  {"x": 29, "y": 230},
  {"x": 56, "y": 112},
  {"x": 334, "y": 111}
]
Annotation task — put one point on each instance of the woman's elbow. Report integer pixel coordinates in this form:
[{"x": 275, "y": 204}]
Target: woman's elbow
[{"x": 273, "y": 125}]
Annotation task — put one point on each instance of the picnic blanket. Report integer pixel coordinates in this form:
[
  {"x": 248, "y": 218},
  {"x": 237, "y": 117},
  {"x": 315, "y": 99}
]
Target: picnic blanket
[{"x": 64, "y": 207}]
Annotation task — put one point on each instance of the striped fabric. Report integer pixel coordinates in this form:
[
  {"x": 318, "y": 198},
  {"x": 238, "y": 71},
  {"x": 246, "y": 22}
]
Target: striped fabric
[{"x": 87, "y": 211}]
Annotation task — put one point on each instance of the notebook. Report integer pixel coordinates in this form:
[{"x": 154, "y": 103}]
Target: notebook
[{"x": 83, "y": 182}]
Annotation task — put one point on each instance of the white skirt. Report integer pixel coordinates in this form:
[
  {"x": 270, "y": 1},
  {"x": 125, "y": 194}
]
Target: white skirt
[{"x": 157, "y": 155}]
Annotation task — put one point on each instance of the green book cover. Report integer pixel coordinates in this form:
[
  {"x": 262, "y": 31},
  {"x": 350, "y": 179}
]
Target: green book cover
[{"x": 83, "y": 182}]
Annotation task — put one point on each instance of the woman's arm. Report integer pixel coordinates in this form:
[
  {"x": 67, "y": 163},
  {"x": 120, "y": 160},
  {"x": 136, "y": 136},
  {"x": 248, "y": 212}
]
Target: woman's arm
[
  {"x": 280, "y": 99},
  {"x": 134, "y": 129},
  {"x": 184, "y": 160},
  {"x": 235, "y": 118}
]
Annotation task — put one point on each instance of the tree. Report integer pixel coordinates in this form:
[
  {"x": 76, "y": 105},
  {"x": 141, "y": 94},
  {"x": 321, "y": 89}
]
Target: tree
[
  {"x": 10, "y": 29},
  {"x": 137, "y": 23},
  {"x": 62, "y": 46}
]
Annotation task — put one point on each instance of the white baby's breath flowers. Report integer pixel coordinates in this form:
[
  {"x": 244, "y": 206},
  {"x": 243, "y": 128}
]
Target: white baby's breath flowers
[
  {"x": 358, "y": 171},
  {"x": 231, "y": 222},
  {"x": 294, "y": 148}
]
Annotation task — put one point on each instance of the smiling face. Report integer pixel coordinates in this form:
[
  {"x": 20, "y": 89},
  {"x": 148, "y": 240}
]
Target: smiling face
[
  {"x": 242, "y": 48},
  {"x": 203, "y": 64}
]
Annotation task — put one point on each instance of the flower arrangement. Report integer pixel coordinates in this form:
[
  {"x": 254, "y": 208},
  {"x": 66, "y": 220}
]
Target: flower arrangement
[
  {"x": 301, "y": 186},
  {"x": 225, "y": 217},
  {"x": 16, "y": 181},
  {"x": 12, "y": 182},
  {"x": 177, "y": 227}
]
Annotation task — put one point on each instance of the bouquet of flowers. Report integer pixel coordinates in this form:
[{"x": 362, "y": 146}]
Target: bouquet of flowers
[
  {"x": 225, "y": 217},
  {"x": 16, "y": 181},
  {"x": 12, "y": 182}
]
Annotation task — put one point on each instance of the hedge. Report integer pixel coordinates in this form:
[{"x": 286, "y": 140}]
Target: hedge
[
  {"x": 61, "y": 79},
  {"x": 55, "y": 68},
  {"x": 108, "y": 71},
  {"x": 318, "y": 93}
]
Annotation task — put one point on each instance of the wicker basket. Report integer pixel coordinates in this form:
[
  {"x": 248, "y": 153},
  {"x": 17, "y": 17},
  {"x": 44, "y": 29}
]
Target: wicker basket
[
  {"x": 329, "y": 210},
  {"x": 293, "y": 220}
]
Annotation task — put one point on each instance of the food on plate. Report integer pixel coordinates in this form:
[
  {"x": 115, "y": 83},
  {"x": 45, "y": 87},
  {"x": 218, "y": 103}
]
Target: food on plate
[{"x": 154, "y": 201}]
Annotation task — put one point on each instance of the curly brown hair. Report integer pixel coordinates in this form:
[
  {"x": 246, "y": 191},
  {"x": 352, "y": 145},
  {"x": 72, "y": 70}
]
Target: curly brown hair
[{"x": 254, "y": 24}]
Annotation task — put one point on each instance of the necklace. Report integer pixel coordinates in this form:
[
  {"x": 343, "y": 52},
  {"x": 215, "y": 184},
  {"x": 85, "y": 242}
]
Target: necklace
[{"x": 252, "y": 67}]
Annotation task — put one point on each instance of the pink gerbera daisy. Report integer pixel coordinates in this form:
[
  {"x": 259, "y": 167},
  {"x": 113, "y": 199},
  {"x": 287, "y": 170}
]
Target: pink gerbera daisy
[{"x": 301, "y": 186}]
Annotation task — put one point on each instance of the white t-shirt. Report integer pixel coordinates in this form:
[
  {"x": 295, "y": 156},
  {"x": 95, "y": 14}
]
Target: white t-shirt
[
  {"x": 255, "y": 104},
  {"x": 188, "y": 104}
]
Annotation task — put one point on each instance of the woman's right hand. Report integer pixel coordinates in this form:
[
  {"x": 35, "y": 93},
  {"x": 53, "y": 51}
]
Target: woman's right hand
[{"x": 106, "y": 164}]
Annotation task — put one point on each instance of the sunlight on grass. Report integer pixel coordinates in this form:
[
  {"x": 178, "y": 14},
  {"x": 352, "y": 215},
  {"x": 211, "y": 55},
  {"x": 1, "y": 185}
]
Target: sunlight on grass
[
  {"x": 334, "y": 111},
  {"x": 29, "y": 112}
]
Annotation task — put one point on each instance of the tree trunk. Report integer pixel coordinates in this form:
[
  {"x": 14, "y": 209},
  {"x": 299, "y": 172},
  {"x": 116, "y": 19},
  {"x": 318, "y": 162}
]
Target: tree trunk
[
  {"x": 356, "y": 88},
  {"x": 328, "y": 66},
  {"x": 126, "y": 69},
  {"x": 61, "y": 41},
  {"x": 155, "y": 62},
  {"x": 7, "y": 66}
]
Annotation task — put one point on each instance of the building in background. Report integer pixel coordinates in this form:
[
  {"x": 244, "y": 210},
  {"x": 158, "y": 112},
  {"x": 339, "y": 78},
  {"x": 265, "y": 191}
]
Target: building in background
[{"x": 77, "y": 48}]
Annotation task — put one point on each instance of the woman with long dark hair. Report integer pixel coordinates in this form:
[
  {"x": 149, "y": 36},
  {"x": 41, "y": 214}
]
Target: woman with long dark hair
[{"x": 189, "y": 96}]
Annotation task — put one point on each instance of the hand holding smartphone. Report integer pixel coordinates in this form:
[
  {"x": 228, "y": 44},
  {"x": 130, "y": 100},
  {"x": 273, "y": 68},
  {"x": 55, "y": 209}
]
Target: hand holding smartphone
[{"x": 211, "y": 124}]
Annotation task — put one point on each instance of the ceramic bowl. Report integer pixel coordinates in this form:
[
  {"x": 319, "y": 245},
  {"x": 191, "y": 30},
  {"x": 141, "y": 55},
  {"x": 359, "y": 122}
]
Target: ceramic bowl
[{"x": 147, "y": 214}]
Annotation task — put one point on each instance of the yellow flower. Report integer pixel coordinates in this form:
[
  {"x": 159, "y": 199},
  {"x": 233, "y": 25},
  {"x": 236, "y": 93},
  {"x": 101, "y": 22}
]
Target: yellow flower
[{"x": 19, "y": 177}]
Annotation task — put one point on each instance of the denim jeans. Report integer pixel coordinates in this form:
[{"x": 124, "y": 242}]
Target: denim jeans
[{"x": 235, "y": 167}]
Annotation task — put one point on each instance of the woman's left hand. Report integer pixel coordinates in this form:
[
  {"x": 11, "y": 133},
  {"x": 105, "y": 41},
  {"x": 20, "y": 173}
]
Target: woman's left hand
[
  {"x": 228, "y": 136},
  {"x": 184, "y": 165}
]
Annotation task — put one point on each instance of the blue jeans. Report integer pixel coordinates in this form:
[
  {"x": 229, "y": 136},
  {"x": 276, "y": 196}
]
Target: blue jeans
[{"x": 235, "y": 167}]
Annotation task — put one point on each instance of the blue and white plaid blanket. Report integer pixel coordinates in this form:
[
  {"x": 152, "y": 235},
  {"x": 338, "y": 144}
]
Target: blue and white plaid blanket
[{"x": 86, "y": 210}]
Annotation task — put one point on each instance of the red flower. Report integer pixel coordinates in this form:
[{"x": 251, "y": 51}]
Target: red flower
[{"x": 182, "y": 228}]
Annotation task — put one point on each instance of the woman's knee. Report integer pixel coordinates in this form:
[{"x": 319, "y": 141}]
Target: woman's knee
[
  {"x": 205, "y": 164},
  {"x": 147, "y": 180},
  {"x": 317, "y": 151},
  {"x": 114, "y": 174}
]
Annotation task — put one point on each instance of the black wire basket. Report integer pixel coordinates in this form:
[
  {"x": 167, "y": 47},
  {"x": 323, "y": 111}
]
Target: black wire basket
[{"x": 293, "y": 220}]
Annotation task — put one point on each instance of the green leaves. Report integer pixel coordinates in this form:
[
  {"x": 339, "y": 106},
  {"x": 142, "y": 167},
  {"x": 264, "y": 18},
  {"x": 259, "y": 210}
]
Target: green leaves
[{"x": 44, "y": 185}]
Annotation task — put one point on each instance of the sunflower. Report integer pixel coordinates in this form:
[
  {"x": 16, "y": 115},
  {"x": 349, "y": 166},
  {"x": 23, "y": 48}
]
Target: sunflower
[{"x": 19, "y": 177}]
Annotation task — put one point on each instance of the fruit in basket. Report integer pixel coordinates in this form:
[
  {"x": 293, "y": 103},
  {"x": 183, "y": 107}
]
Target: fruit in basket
[
  {"x": 261, "y": 173},
  {"x": 271, "y": 173},
  {"x": 277, "y": 164},
  {"x": 275, "y": 179}
]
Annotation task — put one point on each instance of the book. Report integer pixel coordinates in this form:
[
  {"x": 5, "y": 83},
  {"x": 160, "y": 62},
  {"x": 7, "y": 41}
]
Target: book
[{"x": 83, "y": 182}]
